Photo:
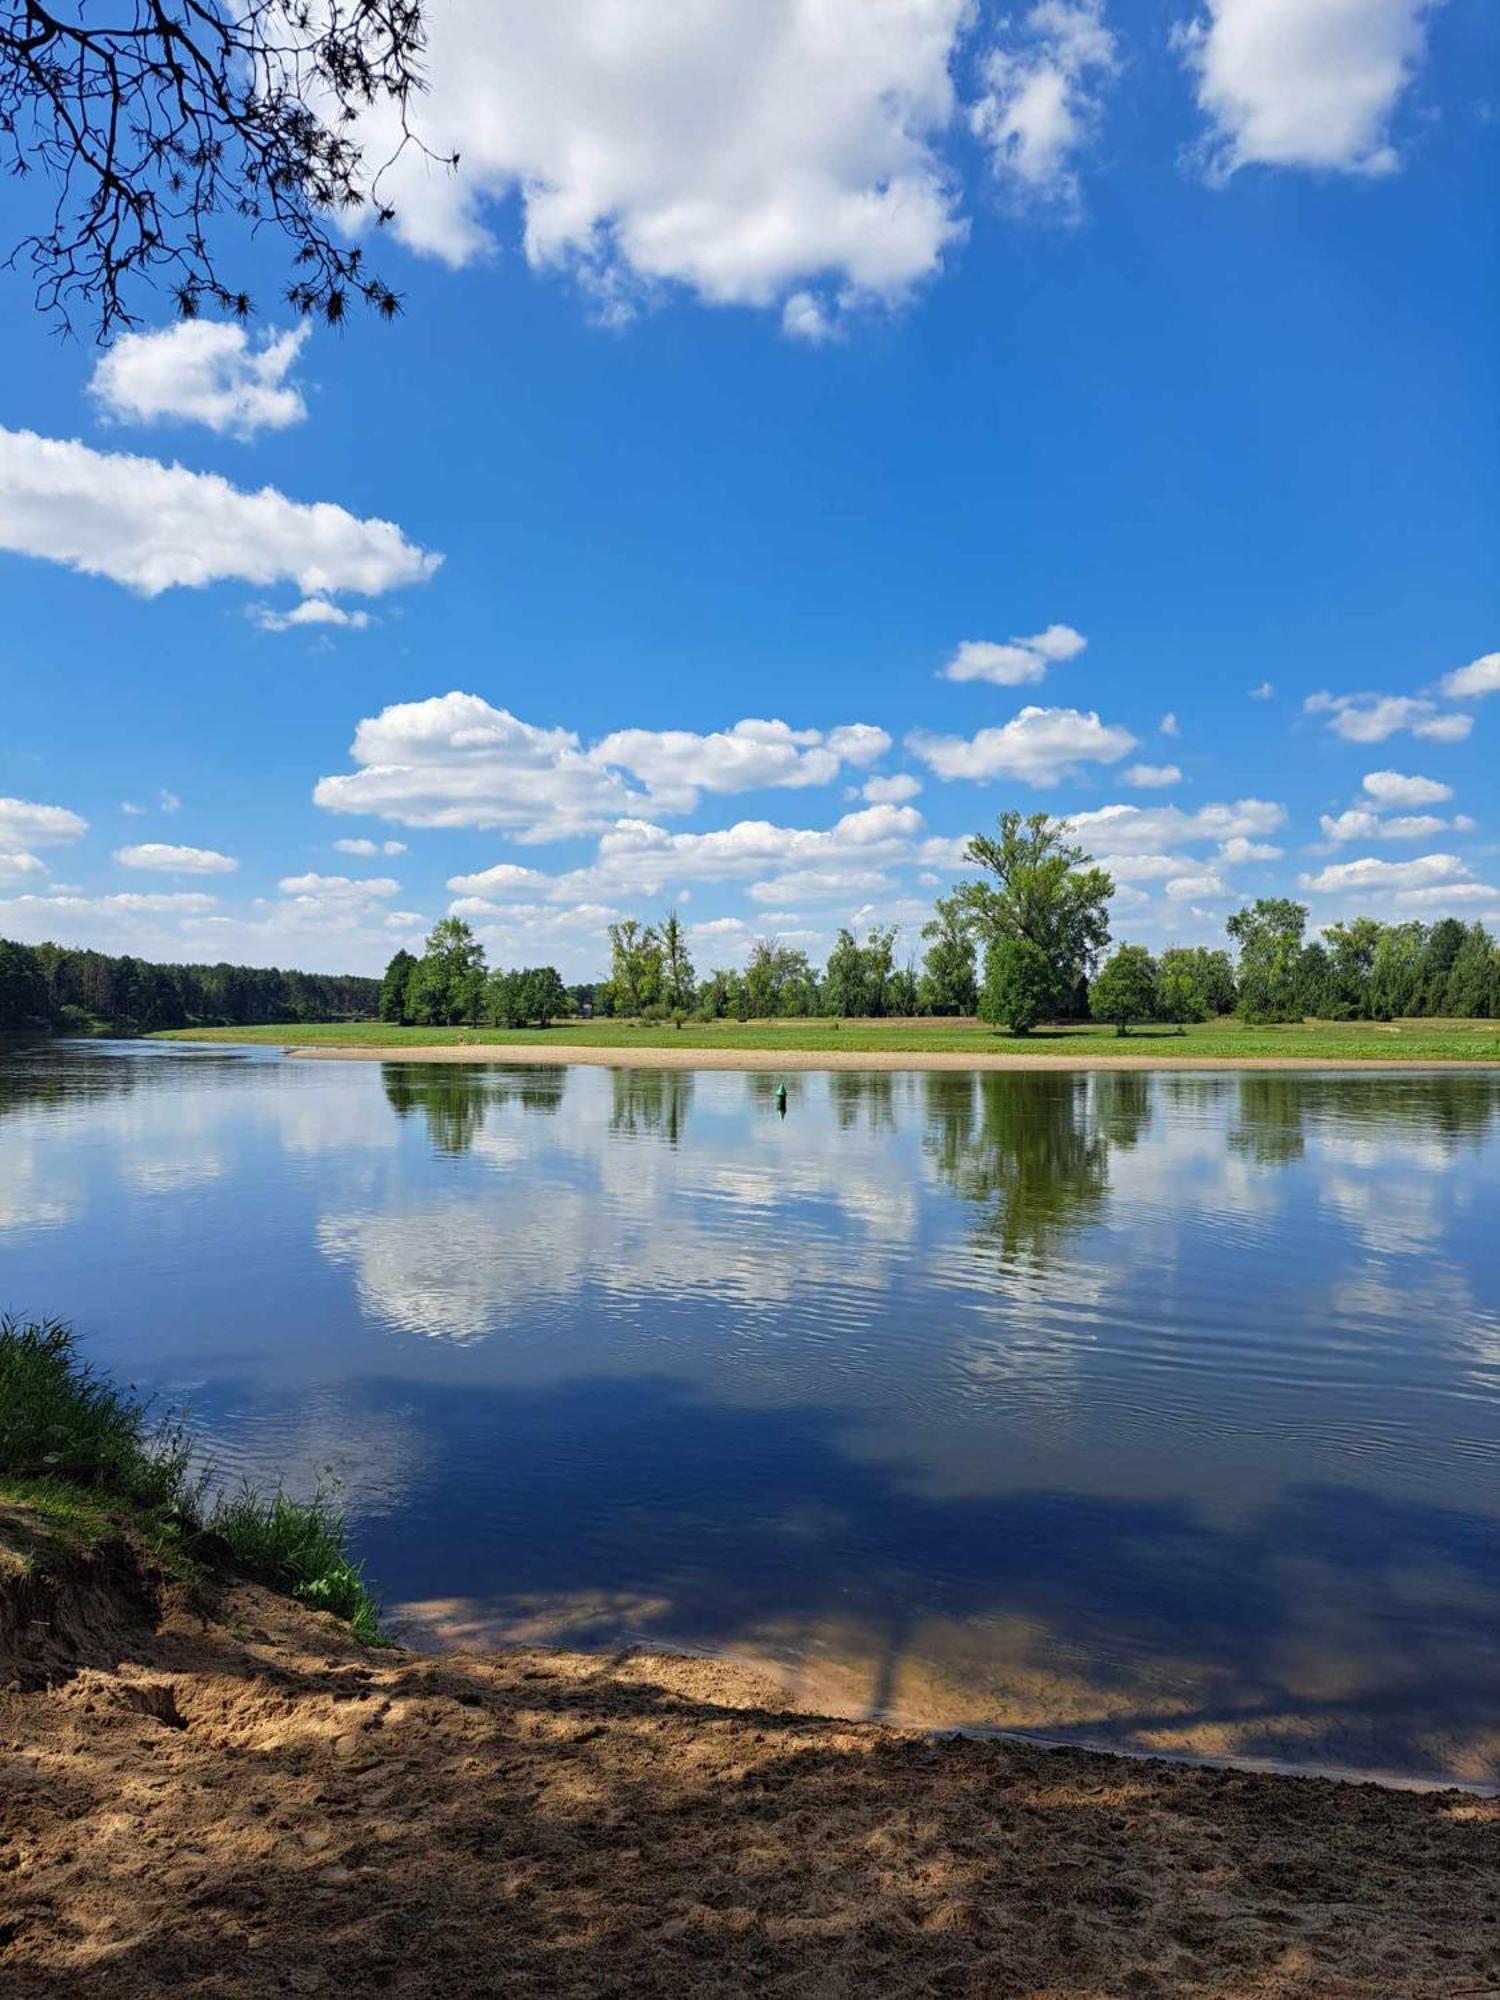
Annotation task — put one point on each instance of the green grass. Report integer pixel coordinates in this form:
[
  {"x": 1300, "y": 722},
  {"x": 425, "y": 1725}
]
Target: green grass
[
  {"x": 1225, "y": 1041},
  {"x": 79, "y": 1454}
]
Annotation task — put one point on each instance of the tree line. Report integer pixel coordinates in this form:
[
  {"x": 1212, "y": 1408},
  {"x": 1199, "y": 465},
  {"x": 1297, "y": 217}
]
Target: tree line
[{"x": 92, "y": 992}]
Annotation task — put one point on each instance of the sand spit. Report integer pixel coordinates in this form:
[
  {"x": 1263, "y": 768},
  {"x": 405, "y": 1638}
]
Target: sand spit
[{"x": 867, "y": 1059}]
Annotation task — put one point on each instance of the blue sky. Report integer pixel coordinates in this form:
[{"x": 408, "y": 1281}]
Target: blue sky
[{"x": 1091, "y": 408}]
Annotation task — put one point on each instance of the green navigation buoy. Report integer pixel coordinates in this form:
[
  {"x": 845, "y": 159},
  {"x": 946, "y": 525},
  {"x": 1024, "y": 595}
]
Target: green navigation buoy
[{"x": 781, "y": 1100}]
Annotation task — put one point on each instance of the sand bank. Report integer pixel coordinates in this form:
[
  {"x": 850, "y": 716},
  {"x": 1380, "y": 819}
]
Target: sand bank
[
  {"x": 245, "y": 1803},
  {"x": 784, "y": 1060}
]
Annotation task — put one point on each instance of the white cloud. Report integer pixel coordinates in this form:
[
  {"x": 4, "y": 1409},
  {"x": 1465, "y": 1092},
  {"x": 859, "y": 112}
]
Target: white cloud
[
  {"x": 1238, "y": 849},
  {"x": 367, "y": 847},
  {"x": 1151, "y": 777},
  {"x": 152, "y": 526},
  {"x": 1188, "y": 888},
  {"x": 1016, "y": 662},
  {"x": 1143, "y": 867},
  {"x": 128, "y": 903},
  {"x": 169, "y": 802},
  {"x": 1148, "y": 829},
  {"x": 1040, "y": 746},
  {"x": 821, "y": 885},
  {"x": 453, "y": 760},
  {"x": 202, "y": 372},
  {"x": 675, "y": 765},
  {"x": 1371, "y": 874},
  {"x": 1360, "y": 824},
  {"x": 774, "y": 153},
  {"x": 1371, "y": 718},
  {"x": 337, "y": 888},
  {"x": 1480, "y": 677},
  {"x": 24, "y": 823},
  {"x": 805, "y": 317},
  {"x": 891, "y": 791},
  {"x": 312, "y": 611},
  {"x": 165, "y": 860},
  {"x": 16, "y": 862},
  {"x": 1303, "y": 83},
  {"x": 131, "y": 810},
  {"x": 1392, "y": 788},
  {"x": 636, "y": 858},
  {"x": 1042, "y": 98},
  {"x": 1265, "y": 691},
  {"x": 1169, "y": 725}
]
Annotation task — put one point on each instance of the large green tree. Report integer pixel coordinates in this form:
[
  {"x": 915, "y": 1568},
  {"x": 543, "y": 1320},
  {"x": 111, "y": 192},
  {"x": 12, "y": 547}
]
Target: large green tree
[
  {"x": 1044, "y": 890},
  {"x": 1018, "y": 984},
  {"x": 1125, "y": 990},
  {"x": 1269, "y": 934},
  {"x": 676, "y": 965},
  {"x": 948, "y": 984},
  {"x": 394, "y": 987},
  {"x": 447, "y": 986}
]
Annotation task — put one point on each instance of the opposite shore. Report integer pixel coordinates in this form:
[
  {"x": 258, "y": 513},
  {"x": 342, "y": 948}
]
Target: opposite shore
[{"x": 859, "y": 1059}]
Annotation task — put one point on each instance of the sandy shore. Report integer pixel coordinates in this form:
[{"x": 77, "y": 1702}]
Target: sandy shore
[
  {"x": 867, "y": 1059},
  {"x": 242, "y": 1802}
]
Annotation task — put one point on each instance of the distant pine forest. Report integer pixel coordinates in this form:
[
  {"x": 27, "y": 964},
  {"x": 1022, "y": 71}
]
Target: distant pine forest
[{"x": 91, "y": 993}]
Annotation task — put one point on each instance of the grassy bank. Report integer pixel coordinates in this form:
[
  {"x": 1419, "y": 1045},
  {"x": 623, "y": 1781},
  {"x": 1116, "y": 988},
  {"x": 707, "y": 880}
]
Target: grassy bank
[
  {"x": 1224, "y": 1041},
  {"x": 86, "y": 1460}
]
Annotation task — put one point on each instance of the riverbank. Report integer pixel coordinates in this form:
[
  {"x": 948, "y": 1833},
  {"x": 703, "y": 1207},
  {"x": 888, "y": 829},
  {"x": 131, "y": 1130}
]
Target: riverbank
[
  {"x": 890, "y": 1045},
  {"x": 234, "y": 1796}
]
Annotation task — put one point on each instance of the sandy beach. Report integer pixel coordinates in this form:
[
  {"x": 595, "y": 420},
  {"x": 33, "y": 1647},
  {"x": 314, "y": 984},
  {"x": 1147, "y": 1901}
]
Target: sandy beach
[
  {"x": 239, "y": 1800},
  {"x": 554, "y": 1053}
]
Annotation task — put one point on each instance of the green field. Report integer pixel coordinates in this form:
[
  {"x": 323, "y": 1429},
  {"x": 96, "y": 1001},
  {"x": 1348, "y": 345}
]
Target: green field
[{"x": 1226, "y": 1041}]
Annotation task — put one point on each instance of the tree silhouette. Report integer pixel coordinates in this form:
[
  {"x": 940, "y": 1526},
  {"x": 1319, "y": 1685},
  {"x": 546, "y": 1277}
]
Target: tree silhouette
[{"x": 156, "y": 122}]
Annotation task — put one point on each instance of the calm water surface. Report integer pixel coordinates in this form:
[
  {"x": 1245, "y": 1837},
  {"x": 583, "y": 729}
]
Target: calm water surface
[{"x": 1150, "y": 1410}]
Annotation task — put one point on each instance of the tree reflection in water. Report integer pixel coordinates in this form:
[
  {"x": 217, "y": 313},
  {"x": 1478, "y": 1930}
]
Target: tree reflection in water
[
  {"x": 456, "y": 1099},
  {"x": 651, "y": 1102}
]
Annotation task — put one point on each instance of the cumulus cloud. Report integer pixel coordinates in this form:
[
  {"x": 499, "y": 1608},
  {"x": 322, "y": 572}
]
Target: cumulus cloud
[
  {"x": 165, "y": 860},
  {"x": 311, "y": 612},
  {"x": 1040, "y": 746},
  {"x": 1195, "y": 888},
  {"x": 1393, "y": 788},
  {"x": 1148, "y": 829},
  {"x": 16, "y": 863},
  {"x": 337, "y": 888},
  {"x": 1238, "y": 849},
  {"x": 636, "y": 857},
  {"x": 1303, "y": 83},
  {"x": 24, "y": 823},
  {"x": 453, "y": 760},
  {"x": 1480, "y": 677},
  {"x": 1370, "y": 873},
  {"x": 1372, "y": 718},
  {"x": 1017, "y": 661},
  {"x": 890, "y": 791},
  {"x": 1360, "y": 824},
  {"x": 1265, "y": 691},
  {"x": 362, "y": 846},
  {"x": 203, "y": 372},
  {"x": 127, "y": 903},
  {"x": 1169, "y": 725},
  {"x": 1042, "y": 98},
  {"x": 153, "y": 527},
  {"x": 1151, "y": 777},
  {"x": 775, "y": 155},
  {"x": 675, "y": 765}
]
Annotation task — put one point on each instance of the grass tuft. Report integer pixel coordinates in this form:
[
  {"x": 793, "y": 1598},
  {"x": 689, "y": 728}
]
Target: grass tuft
[
  {"x": 72, "y": 1444},
  {"x": 299, "y": 1547}
]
